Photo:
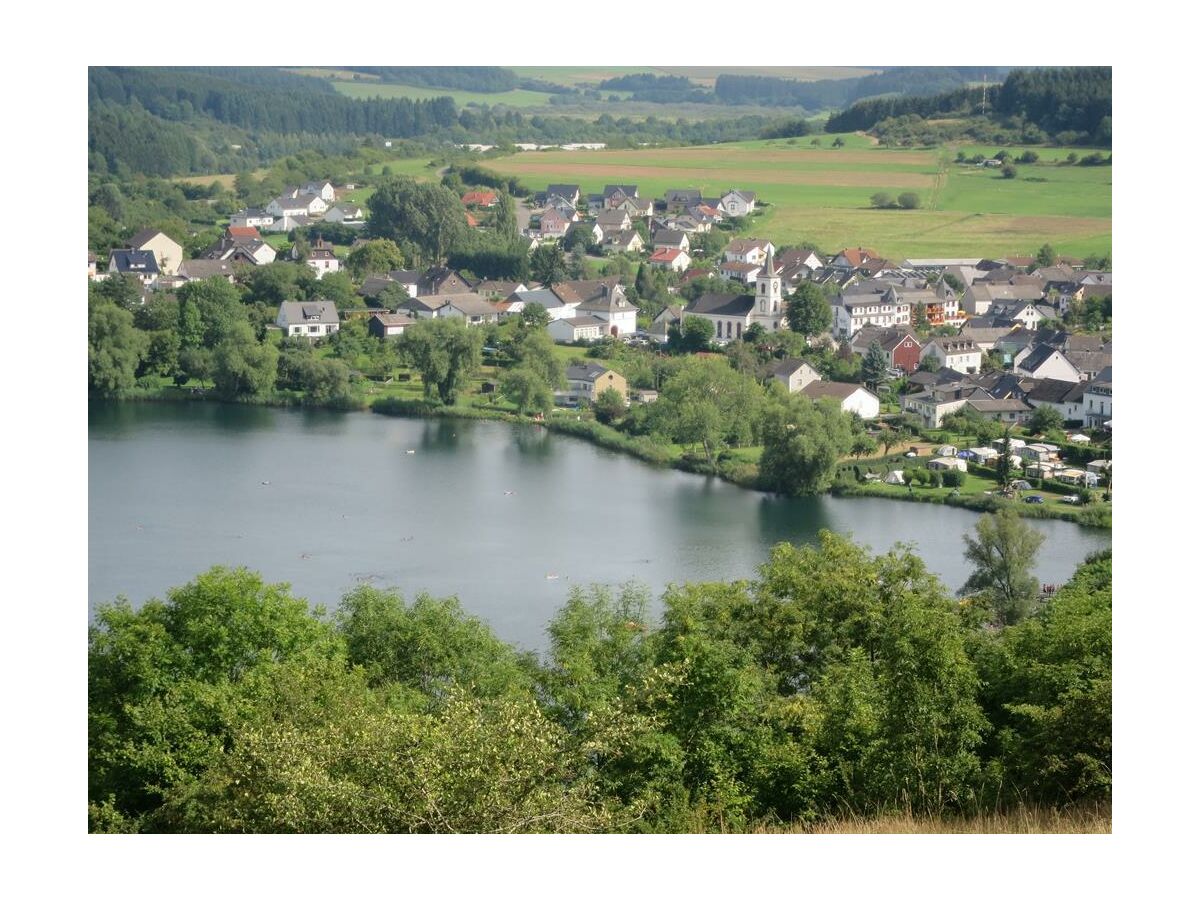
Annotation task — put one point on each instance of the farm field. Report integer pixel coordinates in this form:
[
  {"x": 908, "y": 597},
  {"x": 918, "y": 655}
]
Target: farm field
[
  {"x": 821, "y": 195},
  {"x": 590, "y": 76},
  {"x": 361, "y": 90}
]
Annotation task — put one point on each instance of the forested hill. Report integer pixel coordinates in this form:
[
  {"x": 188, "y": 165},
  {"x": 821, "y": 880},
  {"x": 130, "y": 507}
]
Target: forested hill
[
  {"x": 908, "y": 81},
  {"x": 1074, "y": 100}
]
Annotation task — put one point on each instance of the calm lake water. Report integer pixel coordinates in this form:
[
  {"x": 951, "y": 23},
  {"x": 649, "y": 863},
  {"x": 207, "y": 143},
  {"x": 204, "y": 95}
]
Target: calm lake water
[{"x": 481, "y": 510}]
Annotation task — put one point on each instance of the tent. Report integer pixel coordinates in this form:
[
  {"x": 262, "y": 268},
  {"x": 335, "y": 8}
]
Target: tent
[
  {"x": 894, "y": 477},
  {"x": 947, "y": 450},
  {"x": 1079, "y": 439}
]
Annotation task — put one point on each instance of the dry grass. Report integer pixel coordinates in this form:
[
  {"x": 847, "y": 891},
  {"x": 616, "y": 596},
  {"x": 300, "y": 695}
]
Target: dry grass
[{"x": 1022, "y": 820}]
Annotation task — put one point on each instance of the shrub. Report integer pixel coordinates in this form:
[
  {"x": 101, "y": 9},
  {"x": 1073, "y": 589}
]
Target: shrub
[
  {"x": 882, "y": 200},
  {"x": 909, "y": 200},
  {"x": 953, "y": 478}
]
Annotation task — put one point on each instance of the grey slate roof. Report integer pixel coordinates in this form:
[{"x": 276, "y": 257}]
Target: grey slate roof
[
  {"x": 133, "y": 262},
  {"x": 721, "y": 305},
  {"x": 308, "y": 311}
]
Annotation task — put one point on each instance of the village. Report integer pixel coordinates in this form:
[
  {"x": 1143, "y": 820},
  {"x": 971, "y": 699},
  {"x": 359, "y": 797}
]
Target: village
[{"x": 938, "y": 342}]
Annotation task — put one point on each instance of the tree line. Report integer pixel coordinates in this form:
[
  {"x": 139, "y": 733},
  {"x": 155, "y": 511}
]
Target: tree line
[
  {"x": 1072, "y": 103},
  {"x": 835, "y": 682}
]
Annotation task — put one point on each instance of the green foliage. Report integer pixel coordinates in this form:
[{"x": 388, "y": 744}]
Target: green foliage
[
  {"x": 909, "y": 200},
  {"x": 446, "y": 352},
  {"x": 1045, "y": 418},
  {"x": 115, "y": 349},
  {"x": 534, "y": 315},
  {"x": 243, "y": 367},
  {"x": 882, "y": 200},
  {"x": 428, "y": 217},
  {"x": 1048, "y": 691},
  {"x": 548, "y": 265},
  {"x": 609, "y": 406},
  {"x": 875, "y": 364},
  {"x": 808, "y": 311},
  {"x": 705, "y": 403},
  {"x": 692, "y": 336},
  {"x": 375, "y": 257},
  {"x": 1046, "y": 255},
  {"x": 802, "y": 442},
  {"x": 1003, "y": 553},
  {"x": 528, "y": 389}
]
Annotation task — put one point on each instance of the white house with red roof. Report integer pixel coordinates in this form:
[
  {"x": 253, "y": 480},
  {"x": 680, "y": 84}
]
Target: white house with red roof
[{"x": 667, "y": 258}]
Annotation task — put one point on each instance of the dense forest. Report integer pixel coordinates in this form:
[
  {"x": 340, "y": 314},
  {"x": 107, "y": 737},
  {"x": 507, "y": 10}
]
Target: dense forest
[
  {"x": 908, "y": 81},
  {"x": 836, "y": 682},
  {"x": 486, "y": 79},
  {"x": 1069, "y": 104}
]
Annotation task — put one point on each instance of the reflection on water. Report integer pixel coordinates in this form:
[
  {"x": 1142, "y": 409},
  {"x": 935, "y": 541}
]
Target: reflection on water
[{"x": 507, "y": 518}]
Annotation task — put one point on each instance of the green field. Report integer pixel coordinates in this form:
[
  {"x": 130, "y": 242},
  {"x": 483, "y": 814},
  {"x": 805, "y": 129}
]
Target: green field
[
  {"x": 590, "y": 76},
  {"x": 822, "y": 195},
  {"x": 362, "y": 90}
]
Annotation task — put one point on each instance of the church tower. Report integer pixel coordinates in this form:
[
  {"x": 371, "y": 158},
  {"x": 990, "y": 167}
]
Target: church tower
[{"x": 768, "y": 296}]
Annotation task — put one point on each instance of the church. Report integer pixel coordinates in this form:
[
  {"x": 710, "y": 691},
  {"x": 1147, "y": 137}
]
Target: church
[{"x": 732, "y": 315}]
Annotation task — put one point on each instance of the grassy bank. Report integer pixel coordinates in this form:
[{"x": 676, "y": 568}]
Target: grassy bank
[{"x": 1022, "y": 820}]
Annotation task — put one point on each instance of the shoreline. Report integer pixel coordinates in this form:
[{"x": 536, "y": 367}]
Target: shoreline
[{"x": 741, "y": 474}]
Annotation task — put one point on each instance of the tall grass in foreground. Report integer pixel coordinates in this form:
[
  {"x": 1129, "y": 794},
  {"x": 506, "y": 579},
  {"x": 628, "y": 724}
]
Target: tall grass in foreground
[{"x": 1020, "y": 820}]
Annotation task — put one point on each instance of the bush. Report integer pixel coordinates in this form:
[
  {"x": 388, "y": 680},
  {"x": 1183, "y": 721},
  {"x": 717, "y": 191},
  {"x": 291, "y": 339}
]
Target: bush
[
  {"x": 882, "y": 200},
  {"x": 1008, "y": 170},
  {"x": 909, "y": 200},
  {"x": 953, "y": 478}
]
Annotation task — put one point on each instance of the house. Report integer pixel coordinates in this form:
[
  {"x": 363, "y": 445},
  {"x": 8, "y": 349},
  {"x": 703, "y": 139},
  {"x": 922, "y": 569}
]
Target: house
[
  {"x": 499, "y": 290},
  {"x": 321, "y": 258},
  {"x": 311, "y": 319},
  {"x": 289, "y": 223},
  {"x": 346, "y": 214},
  {"x": 609, "y": 304},
  {"x": 869, "y": 303},
  {"x": 660, "y": 327},
  {"x": 386, "y": 325},
  {"x": 1065, "y": 397},
  {"x": 1045, "y": 361},
  {"x": 168, "y": 253},
  {"x": 546, "y": 298},
  {"x": 242, "y": 233},
  {"x": 587, "y": 382},
  {"x": 322, "y": 189},
  {"x": 795, "y": 374},
  {"x": 614, "y": 220},
  {"x": 142, "y": 264},
  {"x": 238, "y": 250},
  {"x": 441, "y": 280},
  {"x": 252, "y": 217},
  {"x": 901, "y": 346},
  {"x": 1097, "y": 401},
  {"x": 203, "y": 269},
  {"x": 736, "y": 203},
  {"x": 729, "y": 314},
  {"x": 554, "y": 224},
  {"x": 666, "y": 239},
  {"x": 627, "y": 241},
  {"x": 1011, "y": 411},
  {"x": 614, "y": 195},
  {"x": 568, "y": 192},
  {"x": 475, "y": 310},
  {"x": 957, "y": 353},
  {"x": 483, "y": 199},
  {"x": 934, "y": 404},
  {"x": 852, "y": 398},
  {"x": 667, "y": 258},
  {"x": 748, "y": 250},
  {"x": 577, "y": 328},
  {"x": 678, "y": 200},
  {"x": 853, "y": 258},
  {"x": 300, "y": 205},
  {"x": 978, "y": 298},
  {"x": 985, "y": 337},
  {"x": 739, "y": 271}
]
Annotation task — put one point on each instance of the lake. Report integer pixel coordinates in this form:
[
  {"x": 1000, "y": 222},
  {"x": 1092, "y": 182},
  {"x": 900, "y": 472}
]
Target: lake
[{"x": 485, "y": 511}]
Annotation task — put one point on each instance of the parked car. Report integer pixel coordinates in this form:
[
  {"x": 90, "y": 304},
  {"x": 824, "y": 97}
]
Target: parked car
[
  {"x": 1035, "y": 498},
  {"x": 1071, "y": 498}
]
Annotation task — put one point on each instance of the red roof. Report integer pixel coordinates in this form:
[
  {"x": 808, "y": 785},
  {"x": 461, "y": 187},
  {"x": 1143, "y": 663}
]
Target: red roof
[
  {"x": 479, "y": 198},
  {"x": 858, "y": 255},
  {"x": 243, "y": 232},
  {"x": 666, "y": 254}
]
